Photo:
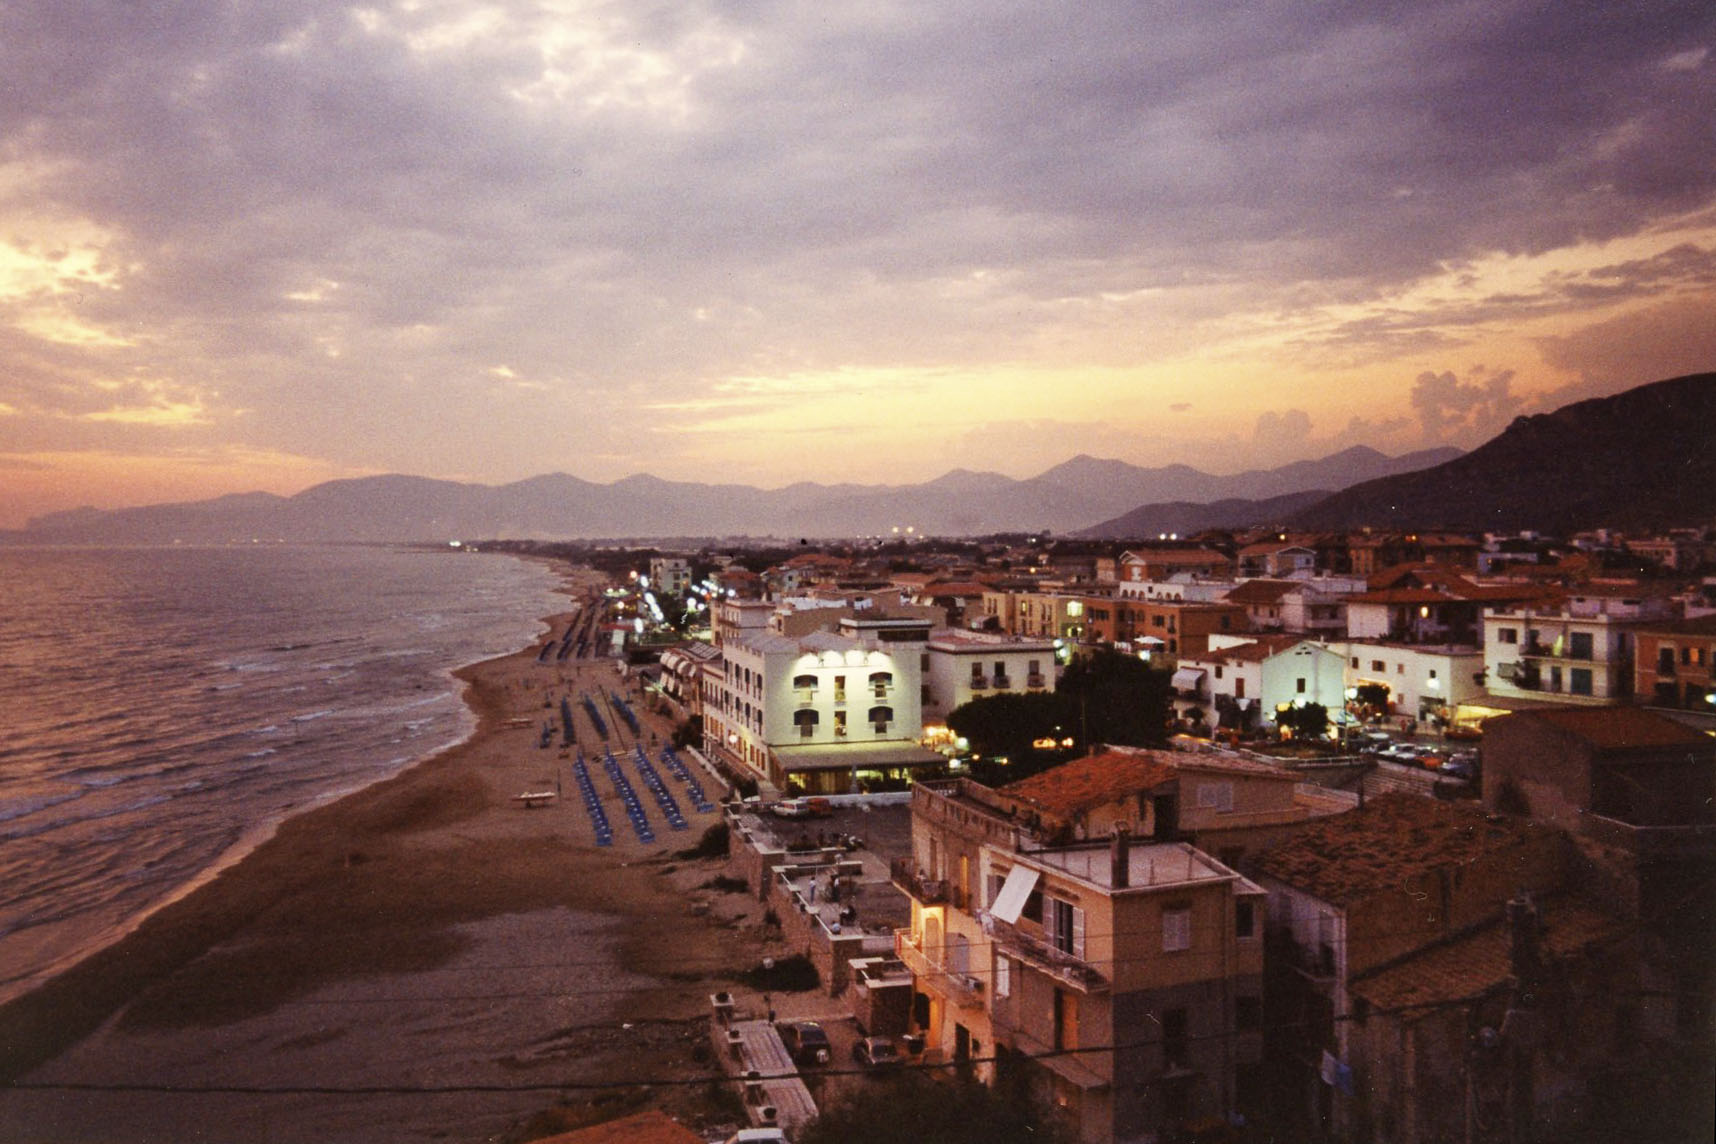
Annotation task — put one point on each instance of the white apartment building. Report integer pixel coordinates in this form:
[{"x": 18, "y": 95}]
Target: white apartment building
[
  {"x": 669, "y": 575},
  {"x": 1424, "y": 681},
  {"x": 960, "y": 666},
  {"x": 1578, "y": 652},
  {"x": 825, "y": 710}
]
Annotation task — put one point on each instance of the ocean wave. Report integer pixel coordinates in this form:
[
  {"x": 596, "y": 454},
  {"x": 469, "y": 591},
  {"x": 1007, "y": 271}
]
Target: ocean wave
[{"x": 17, "y": 807}]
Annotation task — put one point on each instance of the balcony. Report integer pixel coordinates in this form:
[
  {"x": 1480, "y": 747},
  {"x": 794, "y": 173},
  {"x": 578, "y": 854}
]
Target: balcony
[
  {"x": 1003, "y": 682},
  {"x": 1036, "y": 680},
  {"x": 925, "y": 891},
  {"x": 1040, "y": 955},
  {"x": 962, "y": 989},
  {"x": 979, "y": 683}
]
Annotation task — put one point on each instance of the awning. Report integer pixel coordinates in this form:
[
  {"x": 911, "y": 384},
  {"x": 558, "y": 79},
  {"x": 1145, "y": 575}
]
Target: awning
[
  {"x": 1151, "y": 641},
  {"x": 1021, "y": 880},
  {"x": 1188, "y": 678}
]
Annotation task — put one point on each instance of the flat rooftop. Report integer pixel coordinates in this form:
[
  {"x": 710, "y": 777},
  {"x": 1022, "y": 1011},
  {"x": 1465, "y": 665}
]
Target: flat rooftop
[{"x": 1156, "y": 864}]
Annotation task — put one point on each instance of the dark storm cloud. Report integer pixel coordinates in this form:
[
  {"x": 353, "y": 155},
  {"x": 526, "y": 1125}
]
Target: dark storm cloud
[{"x": 353, "y": 216}]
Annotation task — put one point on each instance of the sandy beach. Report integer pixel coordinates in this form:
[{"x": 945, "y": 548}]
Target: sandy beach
[{"x": 424, "y": 959}]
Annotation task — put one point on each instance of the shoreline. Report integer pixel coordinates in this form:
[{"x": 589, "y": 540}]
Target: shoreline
[
  {"x": 379, "y": 889},
  {"x": 261, "y": 832}
]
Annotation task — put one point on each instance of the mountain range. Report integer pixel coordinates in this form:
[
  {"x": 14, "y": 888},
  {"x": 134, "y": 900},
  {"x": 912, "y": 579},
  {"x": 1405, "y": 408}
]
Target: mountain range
[
  {"x": 1067, "y": 497},
  {"x": 1645, "y": 458},
  {"x": 1642, "y": 459}
]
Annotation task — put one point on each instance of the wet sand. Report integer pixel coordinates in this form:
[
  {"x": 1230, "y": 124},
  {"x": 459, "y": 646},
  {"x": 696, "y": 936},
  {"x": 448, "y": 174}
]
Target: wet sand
[{"x": 424, "y": 959}]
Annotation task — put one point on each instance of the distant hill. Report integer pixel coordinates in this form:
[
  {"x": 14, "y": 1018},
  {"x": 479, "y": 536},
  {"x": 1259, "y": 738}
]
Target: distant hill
[
  {"x": 1645, "y": 458},
  {"x": 1186, "y": 517},
  {"x": 1066, "y": 498}
]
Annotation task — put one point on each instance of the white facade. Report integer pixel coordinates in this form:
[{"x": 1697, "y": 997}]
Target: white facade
[
  {"x": 1581, "y": 652},
  {"x": 1306, "y": 673},
  {"x": 669, "y": 575},
  {"x": 962, "y": 666},
  {"x": 822, "y": 688},
  {"x": 1422, "y": 680}
]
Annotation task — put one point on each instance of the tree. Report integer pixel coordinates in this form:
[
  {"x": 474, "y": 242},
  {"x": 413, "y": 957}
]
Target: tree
[
  {"x": 1308, "y": 722},
  {"x": 1109, "y": 697},
  {"x": 1007, "y": 724}
]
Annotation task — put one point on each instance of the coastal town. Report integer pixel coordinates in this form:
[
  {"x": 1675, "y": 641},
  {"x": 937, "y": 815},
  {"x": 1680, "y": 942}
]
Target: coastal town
[
  {"x": 1246, "y": 836},
  {"x": 1419, "y": 847}
]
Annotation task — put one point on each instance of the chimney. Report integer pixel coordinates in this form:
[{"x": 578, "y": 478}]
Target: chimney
[{"x": 1120, "y": 857}]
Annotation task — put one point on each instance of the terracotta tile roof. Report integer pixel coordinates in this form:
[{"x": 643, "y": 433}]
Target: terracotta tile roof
[
  {"x": 1256, "y": 651},
  {"x": 1478, "y": 961},
  {"x": 1093, "y": 781},
  {"x": 651, "y": 1127},
  {"x": 1260, "y": 592},
  {"x": 1403, "y": 596},
  {"x": 1348, "y": 857},
  {"x": 1697, "y": 626},
  {"x": 1616, "y": 728}
]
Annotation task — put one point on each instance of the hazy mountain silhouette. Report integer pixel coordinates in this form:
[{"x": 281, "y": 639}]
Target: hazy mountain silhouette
[{"x": 1067, "y": 497}]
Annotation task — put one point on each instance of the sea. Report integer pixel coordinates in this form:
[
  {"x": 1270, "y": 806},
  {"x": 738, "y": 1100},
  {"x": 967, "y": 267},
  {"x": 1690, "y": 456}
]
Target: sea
[{"x": 162, "y": 710}]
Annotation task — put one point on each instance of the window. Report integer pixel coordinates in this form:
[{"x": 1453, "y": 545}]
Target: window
[
  {"x": 1215, "y": 796},
  {"x": 1579, "y": 645},
  {"x": 1176, "y": 929},
  {"x": 839, "y": 723},
  {"x": 805, "y": 721},
  {"x": 1400, "y": 669},
  {"x": 1300, "y": 685},
  {"x": 1378, "y": 665},
  {"x": 1244, "y": 918},
  {"x": 1239, "y": 687},
  {"x": 1432, "y": 673},
  {"x": 1355, "y": 663},
  {"x": 1066, "y": 927},
  {"x": 880, "y": 717},
  {"x": 1033, "y": 907},
  {"x": 1507, "y": 635},
  {"x": 1218, "y": 671},
  {"x": 1003, "y": 976},
  {"x": 1579, "y": 681},
  {"x": 840, "y": 689},
  {"x": 976, "y": 672}
]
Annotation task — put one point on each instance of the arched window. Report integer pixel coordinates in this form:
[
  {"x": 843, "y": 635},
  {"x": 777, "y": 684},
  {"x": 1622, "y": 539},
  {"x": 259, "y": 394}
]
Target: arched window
[
  {"x": 880, "y": 717},
  {"x": 806, "y": 721},
  {"x": 880, "y": 681}
]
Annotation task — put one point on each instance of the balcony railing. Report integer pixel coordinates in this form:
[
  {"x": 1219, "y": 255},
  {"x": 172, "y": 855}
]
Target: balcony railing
[
  {"x": 1003, "y": 682},
  {"x": 1062, "y": 966},
  {"x": 927, "y": 891},
  {"x": 960, "y": 988},
  {"x": 1035, "y": 680},
  {"x": 979, "y": 682}
]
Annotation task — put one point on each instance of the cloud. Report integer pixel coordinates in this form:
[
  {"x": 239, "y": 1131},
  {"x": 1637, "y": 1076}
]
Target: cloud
[
  {"x": 335, "y": 223},
  {"x": 1662, "y": 341},
  {"x": 1448, "y": 407},
  {"x": 1289, "y": 428}
]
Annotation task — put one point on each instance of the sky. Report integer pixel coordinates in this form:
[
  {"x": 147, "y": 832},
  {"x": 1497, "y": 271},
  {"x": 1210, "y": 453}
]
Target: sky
[{"x": 259, "y": 244}]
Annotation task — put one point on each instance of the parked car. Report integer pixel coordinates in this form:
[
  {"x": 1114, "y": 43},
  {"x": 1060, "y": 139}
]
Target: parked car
[
  {"x": 818, "y": 807},
  {"x": 790, "y": 808},
  {"x": 806, "y": 1042},
  {"x": 876, "y": 1052}
]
